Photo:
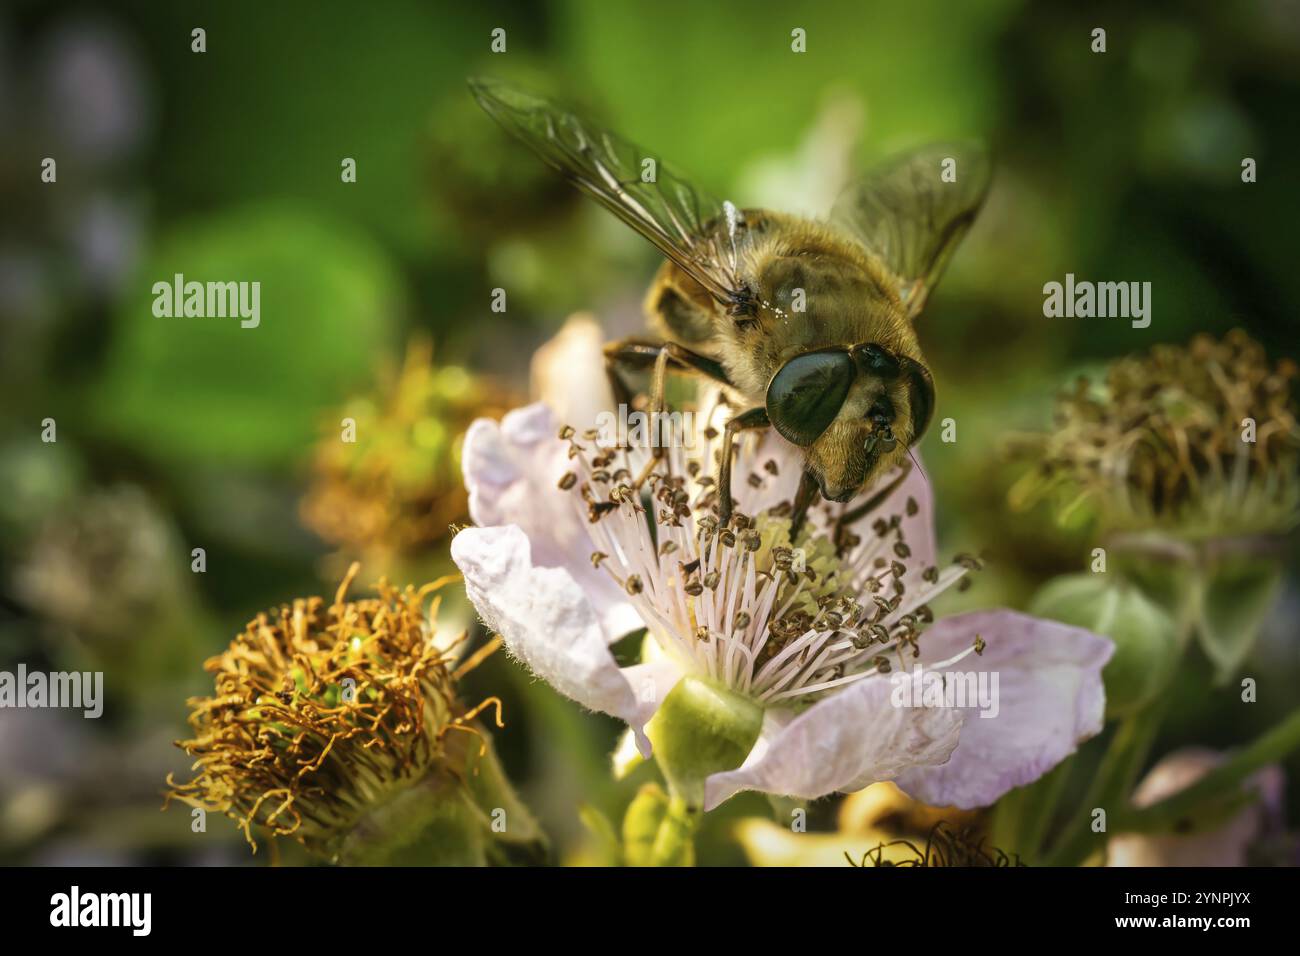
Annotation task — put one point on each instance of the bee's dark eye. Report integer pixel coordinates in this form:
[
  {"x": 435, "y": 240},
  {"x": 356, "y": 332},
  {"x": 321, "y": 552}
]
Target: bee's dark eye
[
  {"x": 876, "y": 361},
  {"x": 922, "y": 397},
  {"x": 807, "y": 393}
]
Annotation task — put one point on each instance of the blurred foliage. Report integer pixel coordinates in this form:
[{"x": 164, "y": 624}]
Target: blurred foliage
[
  {"x": 247, "y": 396},
  {"x": 387, "y": 467},
  {"x": 226, "y": 165}
]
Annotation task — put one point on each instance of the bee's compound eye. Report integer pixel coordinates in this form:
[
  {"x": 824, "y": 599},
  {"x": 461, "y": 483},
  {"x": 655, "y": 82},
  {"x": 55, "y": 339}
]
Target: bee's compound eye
[
  {"x": 806, "y": 394},
  {"x": 922, "y": 396},
  {"x": 877, "y": 361}
]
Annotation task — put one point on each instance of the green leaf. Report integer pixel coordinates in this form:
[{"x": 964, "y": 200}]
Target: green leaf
[{"x": 199, "y": 391}]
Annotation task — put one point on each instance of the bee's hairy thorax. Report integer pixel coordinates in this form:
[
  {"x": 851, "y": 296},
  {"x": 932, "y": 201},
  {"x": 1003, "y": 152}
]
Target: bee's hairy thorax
[{"x": 805, "y": 286}]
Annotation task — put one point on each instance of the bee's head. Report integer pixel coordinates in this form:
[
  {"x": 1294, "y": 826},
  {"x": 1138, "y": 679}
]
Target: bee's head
[{"x": 855, "y": 412}]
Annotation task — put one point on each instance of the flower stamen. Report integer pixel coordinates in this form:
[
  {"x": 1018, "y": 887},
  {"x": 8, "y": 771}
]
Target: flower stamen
[{"x": 740, "y": 602}]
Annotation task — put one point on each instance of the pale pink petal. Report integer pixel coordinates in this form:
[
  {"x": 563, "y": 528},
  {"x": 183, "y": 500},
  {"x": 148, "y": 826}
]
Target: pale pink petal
[
  {"x": 758, "y": 449},
  {"x": 1225, "y": 846},
  {"x": 918, "y": 528},
  {"x": 912, "y": 502},
  {"x": 843, "y": 742},
  {"x": 1049, "y": 699},
  {"x": 568, "y": 373},
  {"x": 547, "y": 622},
  {"x": 511, "y": 472}
]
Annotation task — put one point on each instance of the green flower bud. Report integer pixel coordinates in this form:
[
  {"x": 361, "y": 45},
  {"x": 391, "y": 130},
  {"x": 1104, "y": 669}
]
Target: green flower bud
[
  {"x": 641, "y": 824},
  {"x": 1145, "y": 635}
]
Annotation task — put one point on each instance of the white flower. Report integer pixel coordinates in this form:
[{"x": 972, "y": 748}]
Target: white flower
[{"x": 567, "y": 559}]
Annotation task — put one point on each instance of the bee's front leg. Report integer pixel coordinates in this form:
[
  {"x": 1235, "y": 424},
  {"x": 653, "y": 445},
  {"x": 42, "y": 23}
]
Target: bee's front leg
[{"x": 745, "y": 421}]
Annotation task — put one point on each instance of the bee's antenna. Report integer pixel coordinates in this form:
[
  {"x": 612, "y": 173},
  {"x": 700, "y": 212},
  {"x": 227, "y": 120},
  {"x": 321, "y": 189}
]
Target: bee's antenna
[{"x": 924, "y": 476}]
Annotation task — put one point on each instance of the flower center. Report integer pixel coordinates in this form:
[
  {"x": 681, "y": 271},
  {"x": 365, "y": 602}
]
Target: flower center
[{"x": 779, "y": 620}]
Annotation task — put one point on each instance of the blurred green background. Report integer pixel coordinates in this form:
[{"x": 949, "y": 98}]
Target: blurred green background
[{"x": 183, "y": 433}]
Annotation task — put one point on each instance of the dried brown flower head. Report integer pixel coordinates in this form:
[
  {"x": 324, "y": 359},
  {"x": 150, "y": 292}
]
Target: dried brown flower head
[
  {"x": 323, "y": 713},
  {"x": 104, "y": 566},
  {"x": 397, "y": 487},
  {"x": 1199, "y": 440},
  {"x": 943, "y": 846}
]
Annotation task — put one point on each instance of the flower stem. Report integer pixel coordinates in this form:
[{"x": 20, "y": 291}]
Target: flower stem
[
  {"x": 1111, "y": 785},
  {"x": 675, "y": 843},
  {"x": 659, "y": 829},
  {"x": 1212, "y": 796},
  {"x": 1021, "y": 818},
  {"x": 1221, "y": 782}
]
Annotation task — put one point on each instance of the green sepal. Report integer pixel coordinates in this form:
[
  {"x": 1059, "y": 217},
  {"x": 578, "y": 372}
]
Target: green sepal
[
  {"x": 430, "y": 823},
  {"x": 1172, "y": 581},
  {"x": 1238, "y": 592},
  {"x": 494, "y": 795}
]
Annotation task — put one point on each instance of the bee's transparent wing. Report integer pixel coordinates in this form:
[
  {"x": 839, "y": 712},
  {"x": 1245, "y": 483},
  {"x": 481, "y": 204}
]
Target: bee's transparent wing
[
  {"x": 699, "y": 233},
  {"x": 906, "y": 213}
]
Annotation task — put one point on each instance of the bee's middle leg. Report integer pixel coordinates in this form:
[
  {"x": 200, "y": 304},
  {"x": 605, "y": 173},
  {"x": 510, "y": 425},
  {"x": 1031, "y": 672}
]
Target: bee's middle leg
[
  {"x": 745, "y": 421},
  {"x": 658, "y": 384},
  {"x": 636, "y": 354}
]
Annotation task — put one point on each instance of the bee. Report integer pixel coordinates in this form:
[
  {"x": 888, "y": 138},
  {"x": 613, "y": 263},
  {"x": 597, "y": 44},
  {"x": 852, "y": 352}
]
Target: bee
[{"x": 809, "y": 325}]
